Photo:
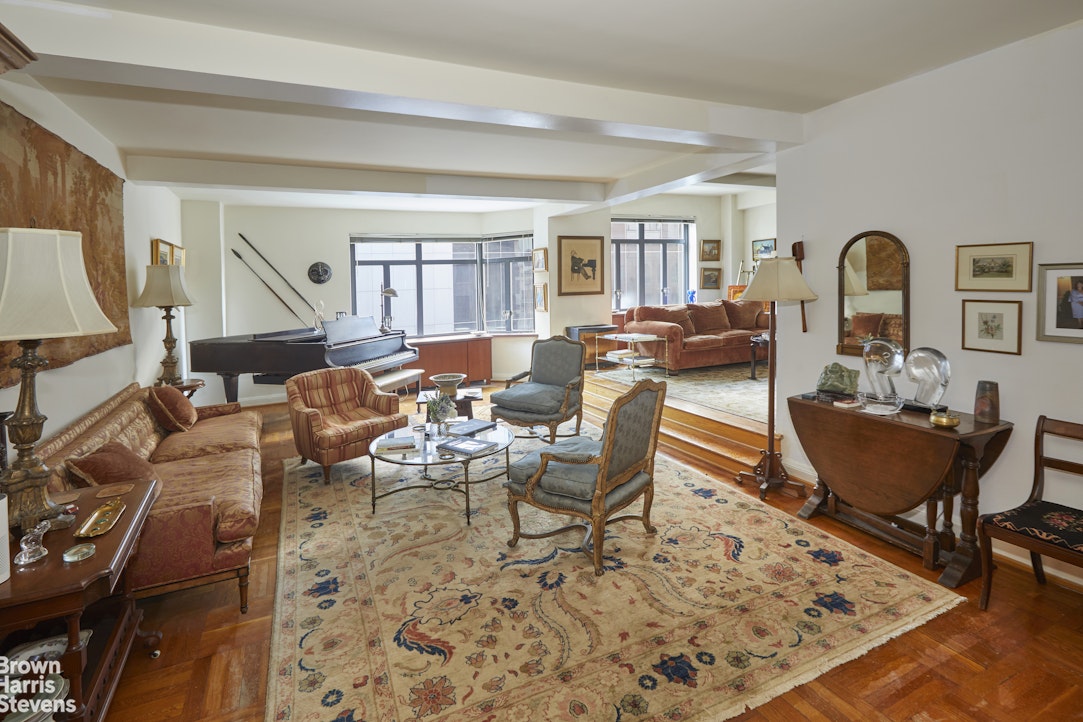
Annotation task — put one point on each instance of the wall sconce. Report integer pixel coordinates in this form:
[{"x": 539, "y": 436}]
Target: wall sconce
[
  {"x": 166, "y": 289},
  {"x": 44, "y": 293}
]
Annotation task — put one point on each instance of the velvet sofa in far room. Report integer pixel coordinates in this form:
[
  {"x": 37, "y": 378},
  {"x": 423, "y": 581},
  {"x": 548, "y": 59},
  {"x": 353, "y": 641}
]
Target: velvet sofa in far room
[{"x": 700, "y": 334}]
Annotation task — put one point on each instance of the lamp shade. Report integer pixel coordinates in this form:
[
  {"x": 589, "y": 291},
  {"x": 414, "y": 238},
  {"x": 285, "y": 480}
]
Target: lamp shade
[
  {"x": 390, "y": 293},
  {"x": 44, "y": 290},
  {"x": 165, "y": 287},
  {"x": 851, "y": 284},
  {"x": 778, "y": 279}
]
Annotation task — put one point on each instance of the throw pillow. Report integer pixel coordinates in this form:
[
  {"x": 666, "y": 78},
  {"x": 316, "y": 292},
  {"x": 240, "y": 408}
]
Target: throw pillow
[
  {"x": 670, "y": 314},
  {"x": 866, "y": 324},
  {"x": 743, "y": 314},
  {"x": 113, "y": 462},
  {"x": 171, "y": 408},
  {"x": 708, "y": 318}
]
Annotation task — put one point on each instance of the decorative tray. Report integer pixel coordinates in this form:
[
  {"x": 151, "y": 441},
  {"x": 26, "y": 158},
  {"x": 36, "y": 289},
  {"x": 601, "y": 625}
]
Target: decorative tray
[{"x": 101, "y": 519}]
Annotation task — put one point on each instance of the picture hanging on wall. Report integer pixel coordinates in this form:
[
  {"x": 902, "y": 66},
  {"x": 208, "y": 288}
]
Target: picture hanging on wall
[
  {"x": 580, "y": 268},
  {"x": 161, "y": 252},
  {"x": 710, "y": 251},
  {"x": 1060, "y": 302},
  {"x": 541, "y": 296},
  {"x": 993, "y": 326},
  {"x": 994, "y": 267},
  {"x": 540, "y": 257},
  {"x": 710, "y": 278}
]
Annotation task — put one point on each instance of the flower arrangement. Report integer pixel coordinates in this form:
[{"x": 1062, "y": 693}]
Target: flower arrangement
[{"x": 441, "y": 408}]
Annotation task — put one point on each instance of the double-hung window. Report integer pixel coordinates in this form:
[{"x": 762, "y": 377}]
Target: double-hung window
[
  {"x": 443, "y": 285},
  {"x": 650, "y": 261}
]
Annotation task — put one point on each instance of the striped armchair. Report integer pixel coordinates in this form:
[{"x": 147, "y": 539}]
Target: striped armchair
[{"x": 337, "y": 412}]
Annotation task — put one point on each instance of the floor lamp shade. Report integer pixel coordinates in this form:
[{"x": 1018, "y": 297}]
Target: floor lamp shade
[
  {"x": 776, "y": 279},
  {"x": 45, "y": 292}
]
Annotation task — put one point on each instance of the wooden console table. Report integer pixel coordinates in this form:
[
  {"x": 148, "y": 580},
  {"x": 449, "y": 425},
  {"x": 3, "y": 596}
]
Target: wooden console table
[
  {"x": 51, "y": 597},
  {"x": 870, "y": 469}
]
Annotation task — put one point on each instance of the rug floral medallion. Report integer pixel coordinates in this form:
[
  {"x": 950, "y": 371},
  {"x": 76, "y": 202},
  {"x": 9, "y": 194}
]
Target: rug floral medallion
[{"x": 410, "y": 613}]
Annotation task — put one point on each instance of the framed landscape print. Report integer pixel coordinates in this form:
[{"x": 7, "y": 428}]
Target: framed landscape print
[
  {"x": 763, "y": 248},
  {"x": 176, "y": 256},
  {"x": 993, "y": 326},
  {"x": 710, "y": 278},
  {"x": 161, "y": 252},
  {"x": 710, "y": 250},
  {"x": 541, "y": 296},
  {"x": 580, "y": 265},
  {"x": 1060, "y": 302},
  {"x": 994, "y": 267},
  {"x": 540, "y": 259}
]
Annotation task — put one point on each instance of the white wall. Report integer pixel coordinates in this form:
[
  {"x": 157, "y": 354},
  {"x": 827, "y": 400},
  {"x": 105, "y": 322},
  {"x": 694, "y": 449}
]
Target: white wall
[
  {"x": 984, "y": 151},
  {"x": 66, "y": 393}
]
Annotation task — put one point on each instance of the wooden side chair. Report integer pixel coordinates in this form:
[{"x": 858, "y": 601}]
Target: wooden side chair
[
  {"x": 336, "y": 412},
  {"x": 550, "y": 393},
  {"x": 1040, "y": 526},
  {"x": 592, "y": 480}
]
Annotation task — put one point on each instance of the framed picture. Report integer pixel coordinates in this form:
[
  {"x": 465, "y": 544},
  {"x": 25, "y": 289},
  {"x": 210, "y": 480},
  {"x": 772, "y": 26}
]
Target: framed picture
[
  {"x": 161, "y": 252},
  {"x": 580, "y": 265},
  {"x": 994, "y": 267},
  {"x": 710, "y": 278},
  {"x": 177, "y": 256},
  {"x": 993, "y": 326},
  {"x": 540, "y": 257},
  {"x": 541, "y": 296},
  {"x": 710, "y": 250},
  {"x": 1060, "y": 302},
  {"x": 763, "y": 249}
]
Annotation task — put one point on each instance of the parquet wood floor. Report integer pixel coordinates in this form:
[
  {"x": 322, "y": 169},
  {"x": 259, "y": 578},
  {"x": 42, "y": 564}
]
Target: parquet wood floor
[{"x": 1021, "y": 660}]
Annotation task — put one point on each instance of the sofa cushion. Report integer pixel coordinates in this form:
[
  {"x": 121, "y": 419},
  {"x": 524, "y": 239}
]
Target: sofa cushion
[
  {"x": 670, "y": 314},
  {"x": 702, "y": 341},
  {"x": 743, "y": 314},
  {"x": 171, "y": 408},
  {"x": 214, "y": 435},
  {"x": 866, "y": 324},
  {"x": 112, "y": 463},
  {"x": 708, "y": 317},
  {"x": 232, "y": 482}
]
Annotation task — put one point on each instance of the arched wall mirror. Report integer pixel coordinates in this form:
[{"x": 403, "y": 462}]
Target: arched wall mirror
[{"x": 874, "y": 291}]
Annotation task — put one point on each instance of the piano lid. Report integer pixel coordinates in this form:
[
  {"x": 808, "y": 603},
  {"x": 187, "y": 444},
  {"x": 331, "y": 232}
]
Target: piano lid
[{"x": 349, "y": 329}]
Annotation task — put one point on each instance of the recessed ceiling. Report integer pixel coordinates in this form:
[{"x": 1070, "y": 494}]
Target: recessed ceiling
[{"x": 339, "y": 103}]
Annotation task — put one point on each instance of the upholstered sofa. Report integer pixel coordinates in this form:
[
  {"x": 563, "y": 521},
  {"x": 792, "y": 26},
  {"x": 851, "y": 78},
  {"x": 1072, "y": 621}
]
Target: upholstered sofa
[
  {"x": 207, "y": 462},
  {"x": 700, "y": 334},
  {"x": 864, "y": 325}
]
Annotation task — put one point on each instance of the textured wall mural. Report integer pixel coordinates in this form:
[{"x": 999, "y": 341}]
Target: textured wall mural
[{"x": 47, "y": 183}]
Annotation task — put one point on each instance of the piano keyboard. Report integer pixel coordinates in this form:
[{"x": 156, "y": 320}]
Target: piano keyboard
[{"x": 389, "y": 360}]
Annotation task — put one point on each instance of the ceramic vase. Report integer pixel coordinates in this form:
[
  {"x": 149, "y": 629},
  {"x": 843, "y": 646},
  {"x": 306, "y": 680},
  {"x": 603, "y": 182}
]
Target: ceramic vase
[{"x": 987, "y": 403}]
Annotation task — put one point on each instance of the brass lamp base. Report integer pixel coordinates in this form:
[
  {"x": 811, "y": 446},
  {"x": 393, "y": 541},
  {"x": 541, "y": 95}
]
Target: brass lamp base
[{"x": 28, "y": 497}]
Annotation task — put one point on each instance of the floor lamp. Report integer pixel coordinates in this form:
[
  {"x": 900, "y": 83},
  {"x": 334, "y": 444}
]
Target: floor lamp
[
  {"x": 386, "y": 320},
  {"x": 166, "y": 289},
  {"x": 776, "y": 279},
  {"x": 44, "y": 293}
]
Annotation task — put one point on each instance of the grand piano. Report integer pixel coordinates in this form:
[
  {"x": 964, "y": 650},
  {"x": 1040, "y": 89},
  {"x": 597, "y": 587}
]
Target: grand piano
[{"x": 274, "y": 357}]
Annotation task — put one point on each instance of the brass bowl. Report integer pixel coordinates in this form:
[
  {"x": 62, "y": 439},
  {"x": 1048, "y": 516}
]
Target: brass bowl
[{"x": 944, "y": 418}]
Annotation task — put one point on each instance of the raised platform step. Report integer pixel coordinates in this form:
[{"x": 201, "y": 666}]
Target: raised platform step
[{"x": 725, "y": 443}]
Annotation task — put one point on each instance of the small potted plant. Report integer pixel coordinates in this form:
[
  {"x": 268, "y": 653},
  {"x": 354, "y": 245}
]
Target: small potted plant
[{"x": 441, "y": 408}]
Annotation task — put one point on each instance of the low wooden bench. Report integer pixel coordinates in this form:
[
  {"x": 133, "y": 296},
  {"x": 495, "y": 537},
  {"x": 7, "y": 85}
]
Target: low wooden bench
[{"x": 399, "y": 378}]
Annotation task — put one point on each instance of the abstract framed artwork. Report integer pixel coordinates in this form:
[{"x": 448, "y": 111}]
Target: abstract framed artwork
[
  {"x": 541, "y": 296},
  {"x": 580, "y": 265},
  {"x": 710, "y": 278},
  {"x": 994, "y": 267},
  {"x": 1060, "y": 302},
  {"x": 540, "y": 259},
  {"x": 994, "y": 326},
  {"x": 763, "y": 248},
  {"x": 710, "y": 251}
]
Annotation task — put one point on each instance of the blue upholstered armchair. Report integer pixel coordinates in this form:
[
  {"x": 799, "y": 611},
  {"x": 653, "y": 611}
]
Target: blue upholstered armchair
[
  {"x": 550, "y": 393},
  {"x": 590, "y": 479}
]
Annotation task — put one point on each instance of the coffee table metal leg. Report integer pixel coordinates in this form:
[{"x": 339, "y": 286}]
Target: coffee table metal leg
[
  {"x": 372, "y": 484},
  {"x": 466, "y": 485}
]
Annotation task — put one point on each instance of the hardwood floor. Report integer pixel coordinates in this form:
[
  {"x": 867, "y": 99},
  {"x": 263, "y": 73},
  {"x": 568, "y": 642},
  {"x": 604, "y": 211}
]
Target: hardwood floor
[{"x": 1022, "y": 659}]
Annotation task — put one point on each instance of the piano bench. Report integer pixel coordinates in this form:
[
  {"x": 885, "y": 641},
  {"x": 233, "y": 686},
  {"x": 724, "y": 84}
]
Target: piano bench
[{"x": 399, "y": 378}]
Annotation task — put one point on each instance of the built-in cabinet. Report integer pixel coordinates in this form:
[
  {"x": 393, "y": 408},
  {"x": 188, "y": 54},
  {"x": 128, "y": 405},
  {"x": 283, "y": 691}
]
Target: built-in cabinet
[{"x": 470, "y": 355}]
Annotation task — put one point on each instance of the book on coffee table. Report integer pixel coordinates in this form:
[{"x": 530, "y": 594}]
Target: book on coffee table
[
  {"x": 395, "y": 443},
  {"x": 465, "y": 446},
  {"x": 470, "y": 427}
]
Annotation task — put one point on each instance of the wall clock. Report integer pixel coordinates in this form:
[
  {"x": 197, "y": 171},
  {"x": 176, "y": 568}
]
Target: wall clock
[{"x": 319, "y": 272}]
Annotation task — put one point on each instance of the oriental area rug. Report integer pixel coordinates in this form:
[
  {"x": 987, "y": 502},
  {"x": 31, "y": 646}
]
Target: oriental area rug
[
  {"x": 723, "y": 388},
  {"x": 413, "y": 614}
]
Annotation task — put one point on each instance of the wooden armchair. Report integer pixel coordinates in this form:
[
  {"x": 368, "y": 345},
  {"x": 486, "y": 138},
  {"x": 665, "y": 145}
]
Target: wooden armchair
[
  {"x": 1040, "y": 526},
  {"x": 590, "y": 479},
  {"x": 550, "y": 393},
  {"x": 335, "y": 414}
]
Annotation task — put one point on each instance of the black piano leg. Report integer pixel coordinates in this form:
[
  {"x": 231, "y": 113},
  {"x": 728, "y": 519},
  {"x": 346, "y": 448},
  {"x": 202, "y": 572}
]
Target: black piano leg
[{"x": 229, "y": 381}]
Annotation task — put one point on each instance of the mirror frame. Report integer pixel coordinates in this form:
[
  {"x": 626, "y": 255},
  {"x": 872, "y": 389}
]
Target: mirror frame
[{"x": 857, "y": 350}]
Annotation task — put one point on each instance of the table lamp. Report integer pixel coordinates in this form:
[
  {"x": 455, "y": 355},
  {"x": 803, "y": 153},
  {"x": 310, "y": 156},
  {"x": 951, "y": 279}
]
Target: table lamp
[
  {"x": 166, "y": 290},
  {"x": 44, "y": 293},
  {"x": 776, "y": 279}
]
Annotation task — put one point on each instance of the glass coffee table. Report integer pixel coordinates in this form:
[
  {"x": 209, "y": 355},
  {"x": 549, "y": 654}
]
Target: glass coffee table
[{"x": 427, "y": 455}]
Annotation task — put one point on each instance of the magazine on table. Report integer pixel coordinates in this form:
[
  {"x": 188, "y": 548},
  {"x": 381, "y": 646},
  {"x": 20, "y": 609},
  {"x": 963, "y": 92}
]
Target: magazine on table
[
  {"x": 466, "y": 446},
  {"x": 470, "y": 427},
  {"x": 396, "y": 443}
]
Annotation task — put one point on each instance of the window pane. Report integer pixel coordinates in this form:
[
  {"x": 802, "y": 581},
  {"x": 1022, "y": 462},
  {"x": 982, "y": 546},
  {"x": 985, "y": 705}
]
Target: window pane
[
  {"x": 629, "y": 275},
  {"x": 675, "y": 275},
  {"x": 367, "y": 283}
]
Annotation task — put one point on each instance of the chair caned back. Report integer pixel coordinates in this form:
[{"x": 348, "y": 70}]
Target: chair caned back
[{"x": 556, "y": 361}]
